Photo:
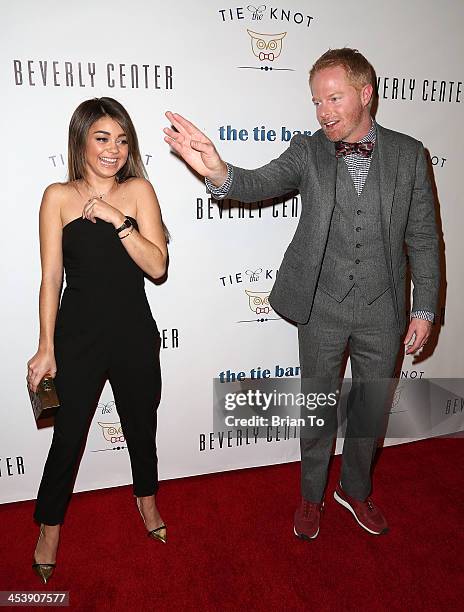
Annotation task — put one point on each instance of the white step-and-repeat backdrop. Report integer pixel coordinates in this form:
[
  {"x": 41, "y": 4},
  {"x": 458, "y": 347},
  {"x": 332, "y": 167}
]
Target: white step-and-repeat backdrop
[{"x": 204, "y": 59}]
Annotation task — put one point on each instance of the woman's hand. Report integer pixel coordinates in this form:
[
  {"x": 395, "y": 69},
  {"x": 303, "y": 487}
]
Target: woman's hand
[
  {"x": 96, "y": 208},
  {"x": 43, "y": 362}
]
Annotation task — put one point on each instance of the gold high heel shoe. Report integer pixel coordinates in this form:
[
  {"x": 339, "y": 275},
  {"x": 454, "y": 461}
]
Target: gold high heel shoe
[
  {"x": 160, "y": 533},
  {"x": 43, "y": 570}
]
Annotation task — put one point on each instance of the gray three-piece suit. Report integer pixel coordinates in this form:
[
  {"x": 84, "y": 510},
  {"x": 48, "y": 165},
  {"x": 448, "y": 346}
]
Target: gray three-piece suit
[{"x": 342, "y": 279}]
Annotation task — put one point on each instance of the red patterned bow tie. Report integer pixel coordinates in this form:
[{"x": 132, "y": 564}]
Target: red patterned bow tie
[{"x": 347, "y": 148}]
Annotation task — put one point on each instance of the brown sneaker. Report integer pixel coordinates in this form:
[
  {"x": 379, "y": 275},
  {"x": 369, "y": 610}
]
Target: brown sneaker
[
  {"x": 365, "y": 512},
  {"x": 307, "y": 517}
]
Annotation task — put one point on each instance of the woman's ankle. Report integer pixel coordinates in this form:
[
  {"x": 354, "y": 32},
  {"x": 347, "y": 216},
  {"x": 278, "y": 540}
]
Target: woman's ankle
[{"x": 50, "y": 530}]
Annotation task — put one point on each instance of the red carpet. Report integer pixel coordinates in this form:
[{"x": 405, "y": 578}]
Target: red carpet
[{"x": 231, "y": 544}]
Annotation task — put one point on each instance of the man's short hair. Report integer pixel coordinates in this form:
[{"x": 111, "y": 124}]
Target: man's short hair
[{"x": 358, "y": 69}]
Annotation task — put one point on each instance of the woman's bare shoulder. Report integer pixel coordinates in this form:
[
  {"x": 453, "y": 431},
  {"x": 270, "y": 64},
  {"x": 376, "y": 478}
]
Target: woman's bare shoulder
[
  {"x": 138, "y": 185},
  {"x": 59, "y": 190}
]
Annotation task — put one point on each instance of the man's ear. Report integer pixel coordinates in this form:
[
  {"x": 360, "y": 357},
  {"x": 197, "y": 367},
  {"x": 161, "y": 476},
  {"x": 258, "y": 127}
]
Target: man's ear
[{"x": 366, "y": 94}]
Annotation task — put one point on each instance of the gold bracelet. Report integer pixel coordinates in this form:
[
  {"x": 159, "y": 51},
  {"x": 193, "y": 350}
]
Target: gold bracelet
[{"x": 128, "y": 233}]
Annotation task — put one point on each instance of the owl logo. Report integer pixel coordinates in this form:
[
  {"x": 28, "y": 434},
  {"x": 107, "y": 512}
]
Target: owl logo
[
  {"x": 258, "y": 301},
  {"x": 112, "y": 432},
  {"x": 266, "y": 46}
]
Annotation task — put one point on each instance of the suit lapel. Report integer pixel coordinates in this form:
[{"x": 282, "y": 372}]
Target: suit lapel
[
  {"x": 327, "y": 172},
  {"x": 388, "y": 169}
]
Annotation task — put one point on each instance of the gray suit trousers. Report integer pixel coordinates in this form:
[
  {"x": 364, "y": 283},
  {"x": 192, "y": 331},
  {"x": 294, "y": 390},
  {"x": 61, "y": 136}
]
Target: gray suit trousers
[{"x": 370, "y": 333}]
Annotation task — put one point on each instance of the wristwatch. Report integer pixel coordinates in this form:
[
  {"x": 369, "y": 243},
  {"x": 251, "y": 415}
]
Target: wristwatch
[{"x": 127, "y": 223}]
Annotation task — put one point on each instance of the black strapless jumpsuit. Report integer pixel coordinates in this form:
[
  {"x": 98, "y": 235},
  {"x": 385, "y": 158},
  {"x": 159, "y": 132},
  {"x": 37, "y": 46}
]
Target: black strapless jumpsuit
[{"x": 104, "y": 330}]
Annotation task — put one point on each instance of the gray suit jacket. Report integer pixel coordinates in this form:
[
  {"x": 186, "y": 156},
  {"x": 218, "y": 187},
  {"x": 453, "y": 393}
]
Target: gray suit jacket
[{"x": 407, "y": 216}]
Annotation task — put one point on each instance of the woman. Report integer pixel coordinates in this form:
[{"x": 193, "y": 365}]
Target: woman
[{"x": 104, "y": 227}]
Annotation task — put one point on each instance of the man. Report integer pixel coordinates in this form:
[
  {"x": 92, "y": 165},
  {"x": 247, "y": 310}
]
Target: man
[{"x": 365, "y": 194}]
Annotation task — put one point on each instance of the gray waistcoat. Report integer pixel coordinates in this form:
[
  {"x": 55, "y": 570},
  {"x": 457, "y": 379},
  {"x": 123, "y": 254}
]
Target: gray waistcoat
[{"x": 354, "y": 254}]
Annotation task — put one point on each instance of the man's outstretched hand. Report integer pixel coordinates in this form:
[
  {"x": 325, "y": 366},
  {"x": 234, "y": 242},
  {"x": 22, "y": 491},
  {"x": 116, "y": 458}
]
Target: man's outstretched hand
[{"x": 195, "y": 148}]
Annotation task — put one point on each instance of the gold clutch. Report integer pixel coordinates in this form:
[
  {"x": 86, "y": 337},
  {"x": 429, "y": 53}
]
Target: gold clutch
[{"x": 45, "y": 400}]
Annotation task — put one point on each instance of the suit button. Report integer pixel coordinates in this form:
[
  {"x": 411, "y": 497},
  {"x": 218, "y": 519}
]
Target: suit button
[
  {"x": 358, "y": 229},
  {"x": 357, "y": 261},
  {"x": 358, "y": 212},
  {"x": 351, "y": 277},
  {"x": 358, "y": 246}
]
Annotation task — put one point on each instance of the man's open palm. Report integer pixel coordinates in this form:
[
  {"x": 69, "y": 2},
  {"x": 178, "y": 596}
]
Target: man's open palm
[{"x": 195, "y": 148}]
